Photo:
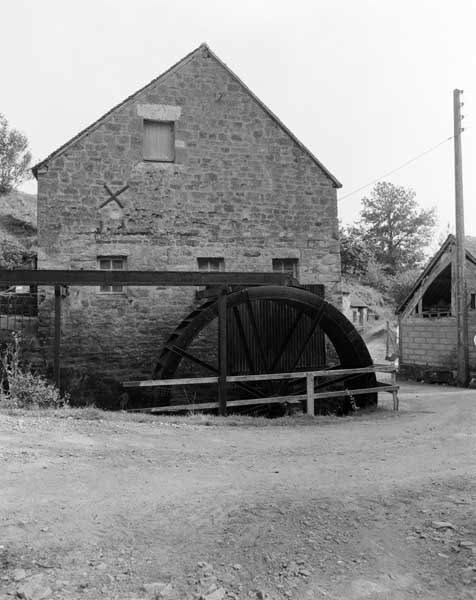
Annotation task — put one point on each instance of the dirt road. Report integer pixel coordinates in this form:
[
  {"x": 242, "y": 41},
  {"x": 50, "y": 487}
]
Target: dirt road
[{"x": 374, "y": 506}]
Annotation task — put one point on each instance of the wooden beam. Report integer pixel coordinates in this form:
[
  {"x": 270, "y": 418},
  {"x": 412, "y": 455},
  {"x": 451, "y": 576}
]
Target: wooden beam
[
  {"x": 57, "y": 338},
  {"x": 169, "y": 382},
  {"x": 147, "y": 278},
  {"x": 271, "y": 400},
  {"x": 261, "y": 377},
  {"x": 323, "y": 373},
  {"x": 358, "y": 392},
  {"x": 222, "y": 352},
  {"x": 231, "y": 403}
]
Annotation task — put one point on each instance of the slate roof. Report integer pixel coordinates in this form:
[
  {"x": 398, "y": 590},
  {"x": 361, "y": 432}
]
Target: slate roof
[{"x": 173, "y": 69}]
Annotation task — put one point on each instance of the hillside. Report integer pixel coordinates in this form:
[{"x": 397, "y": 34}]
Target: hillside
[
  {"x": 375, "y": 333},
  {"x": 18, "y": 219}
]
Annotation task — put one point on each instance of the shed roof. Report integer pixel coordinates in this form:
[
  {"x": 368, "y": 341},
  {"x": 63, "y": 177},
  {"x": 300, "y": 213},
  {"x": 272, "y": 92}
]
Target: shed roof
[
  {"x": 173, "y": 69},
  {"x": 470, "y": 248},
  {"x": 357, "y": 302}
]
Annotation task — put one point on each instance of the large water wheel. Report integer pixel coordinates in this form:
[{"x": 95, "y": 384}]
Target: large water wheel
[{"x": 271, "y": 329}]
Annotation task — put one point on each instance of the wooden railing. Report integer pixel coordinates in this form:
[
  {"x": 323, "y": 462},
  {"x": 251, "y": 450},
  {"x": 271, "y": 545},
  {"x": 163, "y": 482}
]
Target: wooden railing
[{"x": 312, "y": 377}]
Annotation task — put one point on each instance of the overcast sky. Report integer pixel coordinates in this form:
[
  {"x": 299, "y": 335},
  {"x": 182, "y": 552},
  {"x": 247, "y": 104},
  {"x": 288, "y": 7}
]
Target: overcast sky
[{"x": 366, "y": 84}]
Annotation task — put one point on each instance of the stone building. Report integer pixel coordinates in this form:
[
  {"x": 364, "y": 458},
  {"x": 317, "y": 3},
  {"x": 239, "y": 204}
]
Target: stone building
[
  {"x": 427, "y": 317},
  {"x": 355, "y": 309},
  {"x": 190, "y": 172}
]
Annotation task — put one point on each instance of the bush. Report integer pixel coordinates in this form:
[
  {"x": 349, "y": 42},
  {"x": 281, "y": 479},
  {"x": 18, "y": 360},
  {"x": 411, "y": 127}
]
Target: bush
[
  {"x": 12, "y": 254},
  {"x": 20, "y": 388},
  {"x": 401, "y": 285}
]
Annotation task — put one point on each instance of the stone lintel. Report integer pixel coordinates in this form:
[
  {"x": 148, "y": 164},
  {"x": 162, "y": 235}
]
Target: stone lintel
[{"x": 159, "y": 112}]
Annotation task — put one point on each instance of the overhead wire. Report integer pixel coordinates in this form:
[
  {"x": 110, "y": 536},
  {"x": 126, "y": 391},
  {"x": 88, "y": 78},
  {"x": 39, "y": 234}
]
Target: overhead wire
[{"x": 397, "y": 168}]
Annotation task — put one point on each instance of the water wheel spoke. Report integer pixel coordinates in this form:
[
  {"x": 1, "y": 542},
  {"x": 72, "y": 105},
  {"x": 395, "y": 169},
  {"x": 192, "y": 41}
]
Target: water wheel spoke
[
  {"x": 244, "y": 341},
  {"x": 286, "y": 341},
  {"x": 314, "y": 324},
  {"x": 310, "y": 333},
  {"x": 256, "y": 333},
  {"x": 198, "y": 361}
]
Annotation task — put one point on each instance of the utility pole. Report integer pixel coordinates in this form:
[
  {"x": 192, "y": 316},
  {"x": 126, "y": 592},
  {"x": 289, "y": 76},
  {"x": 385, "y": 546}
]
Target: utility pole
[{"x": 461, "y": 307}]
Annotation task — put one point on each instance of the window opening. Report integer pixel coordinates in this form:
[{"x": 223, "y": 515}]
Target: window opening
[
  {"x": 159, "y": 141},
  {"x": 211, "y": 264},
  {"x": 286, "y": 265},
  {"x": 111, "y": 263}
]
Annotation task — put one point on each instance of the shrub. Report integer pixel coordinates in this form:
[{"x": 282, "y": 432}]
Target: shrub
[{"x": 20, "y": 388}]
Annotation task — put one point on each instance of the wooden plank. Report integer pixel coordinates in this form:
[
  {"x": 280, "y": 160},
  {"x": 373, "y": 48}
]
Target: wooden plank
[
  {"x": 299, "y": 374},
  {"x": 373, "y": 390},
  {"x": 168, "y": 382},
  {"x": 271, "y": 400},
  {"x": 263, "y": 377},
  {"x": 231, "y": 403},
  {"x": 146, "y": 278},
  {"x": 57, "y": 338},
  {"x": 222, "y": 357}
]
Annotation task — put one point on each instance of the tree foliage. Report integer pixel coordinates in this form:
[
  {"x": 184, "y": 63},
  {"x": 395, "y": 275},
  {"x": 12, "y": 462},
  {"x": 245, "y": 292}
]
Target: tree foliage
[
  {"x": 15, "y": 157},
  {"x": 354, "y": 254},
  {"x": 394, "y": 228},
  {"x": 386, "y": 247}
]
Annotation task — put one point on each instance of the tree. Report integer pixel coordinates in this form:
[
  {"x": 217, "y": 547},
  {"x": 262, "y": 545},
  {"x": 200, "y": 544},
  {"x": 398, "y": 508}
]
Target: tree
[
  {"x": 354, "y": 254},
  {"x": 394, "y": 228},
  {"x": 401, "y": 285},
  {"x": 15, "y": 157}
]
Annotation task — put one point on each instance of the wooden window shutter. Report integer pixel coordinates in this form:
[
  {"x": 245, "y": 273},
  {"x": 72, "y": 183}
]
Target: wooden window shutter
[{"x": 159, "y": 141}]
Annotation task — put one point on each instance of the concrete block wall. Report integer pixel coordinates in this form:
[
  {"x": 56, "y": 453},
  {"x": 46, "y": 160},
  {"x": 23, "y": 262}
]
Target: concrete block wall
[
  {"x": 428, "y": 342},
  {"x": 432, "y": 343},
  {"x": 240, "y": 188}
]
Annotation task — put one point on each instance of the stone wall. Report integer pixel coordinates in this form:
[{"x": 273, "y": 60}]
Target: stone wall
[{"x": 240, "y": 188}]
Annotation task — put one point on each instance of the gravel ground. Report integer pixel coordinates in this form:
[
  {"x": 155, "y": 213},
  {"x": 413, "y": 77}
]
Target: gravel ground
[{"x": 374, "y": 506}]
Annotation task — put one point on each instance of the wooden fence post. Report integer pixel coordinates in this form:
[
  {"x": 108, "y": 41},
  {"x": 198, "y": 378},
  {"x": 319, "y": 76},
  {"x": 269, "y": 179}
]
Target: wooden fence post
[
  {"x": 394, "y": 392},
  {"x": 222, "y": 358},
  {"x": 57, "y": 338},
  {"x": 310, "y": 394}
]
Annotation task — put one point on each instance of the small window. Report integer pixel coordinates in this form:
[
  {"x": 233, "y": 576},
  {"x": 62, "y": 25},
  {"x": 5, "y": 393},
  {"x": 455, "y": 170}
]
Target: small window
[
  {"x": 159, "y": 141},
  {"x": 472, "y": 301},
  {"x": 211, "y": 264},
  {"x": 111, "y": 263},
  {"x": 286, "y": 265}
]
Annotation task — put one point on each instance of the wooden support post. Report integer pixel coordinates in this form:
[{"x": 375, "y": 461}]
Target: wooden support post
[
  {"x": 57, "y": 339},
  {"x": 394, "y": 392},
  {"x": 387, "y": 349},
  {"x": 310, "y": 394},
  {"x": 222, "y": 358},
  {"x": 461, "y": 313}
]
